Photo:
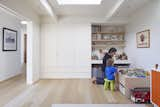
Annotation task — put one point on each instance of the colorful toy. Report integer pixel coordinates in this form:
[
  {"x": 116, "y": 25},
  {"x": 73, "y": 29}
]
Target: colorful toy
[{"x": 140, "y": 95}]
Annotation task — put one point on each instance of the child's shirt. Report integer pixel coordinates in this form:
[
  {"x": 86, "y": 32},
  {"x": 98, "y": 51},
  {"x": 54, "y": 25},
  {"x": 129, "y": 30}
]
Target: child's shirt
[{"x": 109, "y": 72}]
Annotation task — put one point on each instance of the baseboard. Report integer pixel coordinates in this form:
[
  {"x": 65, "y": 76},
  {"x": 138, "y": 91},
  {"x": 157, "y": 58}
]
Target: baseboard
[
  {"x": 65, "y": 75},
  {"x": 6, "y": 77}
]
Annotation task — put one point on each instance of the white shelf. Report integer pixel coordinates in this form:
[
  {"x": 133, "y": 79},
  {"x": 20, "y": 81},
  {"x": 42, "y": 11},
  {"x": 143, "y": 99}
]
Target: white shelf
[
  {"x": 122, "y": 62},
  {"x": 115, "y": 62},
  {"x": 107, "y": 40},
  {"x": 110, "y": 33},
  {"x": 97, "y": 61},
  {"x": 108, "y": 46}
]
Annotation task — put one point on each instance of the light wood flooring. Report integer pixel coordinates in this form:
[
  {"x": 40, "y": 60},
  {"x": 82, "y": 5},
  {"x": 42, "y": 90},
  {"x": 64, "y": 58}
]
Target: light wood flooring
[{"x": 15, "y": 93}]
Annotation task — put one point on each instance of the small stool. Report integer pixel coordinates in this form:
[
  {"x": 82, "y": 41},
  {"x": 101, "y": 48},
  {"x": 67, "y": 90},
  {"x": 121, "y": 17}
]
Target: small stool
[{"x": 109, "y": 84}]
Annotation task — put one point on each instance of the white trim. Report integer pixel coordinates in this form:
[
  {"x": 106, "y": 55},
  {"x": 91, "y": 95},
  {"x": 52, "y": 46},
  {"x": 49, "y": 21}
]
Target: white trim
[
  {"x": 49, "y": 9},
  {"x": 11, "y": 12},
  {"x": 65, "y": 75},
  {"x": 29, "y": 73},
  {"x": 114, "y": 9},
  {"x": 10, "y": 76}
]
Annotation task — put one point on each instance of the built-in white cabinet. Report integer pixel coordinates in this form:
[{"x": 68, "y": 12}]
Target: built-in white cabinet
[
  {"x": 48, "y": 47},
  {"x": 66, "y": 49}
]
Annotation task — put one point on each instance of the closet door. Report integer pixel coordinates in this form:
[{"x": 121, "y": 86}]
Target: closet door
[
  {"x": 83, "y": 49},
  {"x": 49, "y": 48},
  {"x": 65, "y": 49}
]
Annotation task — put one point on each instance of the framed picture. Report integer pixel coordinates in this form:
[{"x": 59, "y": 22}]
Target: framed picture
[
  {"x": 9, "y": 40},
  {"x": 143, "y": 39}
]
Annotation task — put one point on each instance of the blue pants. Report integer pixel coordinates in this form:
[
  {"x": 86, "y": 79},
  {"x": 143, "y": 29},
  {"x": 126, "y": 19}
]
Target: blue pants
[{"x": 100, "y": 80}]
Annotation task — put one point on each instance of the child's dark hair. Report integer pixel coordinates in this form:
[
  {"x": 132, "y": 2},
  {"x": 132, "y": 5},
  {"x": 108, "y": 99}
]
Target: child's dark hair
[{"x": 110, "y": 62}]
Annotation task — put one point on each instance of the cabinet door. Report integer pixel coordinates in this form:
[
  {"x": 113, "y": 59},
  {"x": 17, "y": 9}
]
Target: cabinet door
[
  {"x": 65, "y": 50},
  {"x": 83, "y": 49},
  {"x": 48, "y": 47}
]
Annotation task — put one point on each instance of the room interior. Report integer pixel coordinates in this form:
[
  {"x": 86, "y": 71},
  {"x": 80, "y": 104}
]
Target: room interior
[{"x": 66, "y": 42}]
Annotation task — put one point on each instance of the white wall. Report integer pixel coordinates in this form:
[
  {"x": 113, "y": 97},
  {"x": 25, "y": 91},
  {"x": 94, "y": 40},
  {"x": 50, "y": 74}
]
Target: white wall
[
  {"x": 146, "y": 18},
  {"x": 23, "y": 8},
  {"x": 66, "y": 50},
  {"x": 10, "y": 61}
]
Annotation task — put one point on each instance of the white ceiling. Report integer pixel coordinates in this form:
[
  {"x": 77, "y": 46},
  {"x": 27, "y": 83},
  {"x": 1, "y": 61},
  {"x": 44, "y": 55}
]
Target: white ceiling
[{"x": 127, "y": 8}]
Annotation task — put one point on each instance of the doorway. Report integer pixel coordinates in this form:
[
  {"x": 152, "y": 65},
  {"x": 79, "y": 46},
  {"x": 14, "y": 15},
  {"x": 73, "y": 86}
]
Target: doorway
[{"x": 30, "y": 31}]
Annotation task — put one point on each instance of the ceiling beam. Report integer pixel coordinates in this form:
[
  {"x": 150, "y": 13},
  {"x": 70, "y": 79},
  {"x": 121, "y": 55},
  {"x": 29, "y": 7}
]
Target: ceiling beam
[
  {"x": 12, "y": 12},
  {"x": 49, "y": 9},
  {"x": 114, "y": 9}
]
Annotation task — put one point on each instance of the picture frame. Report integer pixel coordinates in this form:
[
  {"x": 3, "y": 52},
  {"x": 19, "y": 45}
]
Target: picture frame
[
  {"x": 143, "y": 39},
  {"x": 9, "y": 42}
]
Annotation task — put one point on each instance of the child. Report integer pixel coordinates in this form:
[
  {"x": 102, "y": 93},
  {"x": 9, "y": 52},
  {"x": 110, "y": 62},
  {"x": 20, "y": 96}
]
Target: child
[{"x": 110, "y": 72}]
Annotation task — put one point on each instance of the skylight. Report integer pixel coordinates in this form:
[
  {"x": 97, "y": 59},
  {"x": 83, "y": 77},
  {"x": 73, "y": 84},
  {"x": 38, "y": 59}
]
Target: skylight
[{"x": 79, "y": 2}]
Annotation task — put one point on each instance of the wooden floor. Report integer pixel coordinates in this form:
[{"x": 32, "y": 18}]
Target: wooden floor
[{"x": 44, "y": 93}]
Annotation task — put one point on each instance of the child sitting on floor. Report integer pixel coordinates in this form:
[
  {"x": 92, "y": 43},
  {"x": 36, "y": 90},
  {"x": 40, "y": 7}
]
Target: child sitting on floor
[{"x": 110, "y": 72}]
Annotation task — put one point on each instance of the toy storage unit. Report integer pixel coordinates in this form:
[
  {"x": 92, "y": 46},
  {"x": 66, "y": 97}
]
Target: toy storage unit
[{"x": 127, "y": 83}]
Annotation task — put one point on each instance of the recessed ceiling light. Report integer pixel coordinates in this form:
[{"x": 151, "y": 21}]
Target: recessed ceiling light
[
  {"x": 79, "y": 2},
  {"x": 23, "y": 22}
]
